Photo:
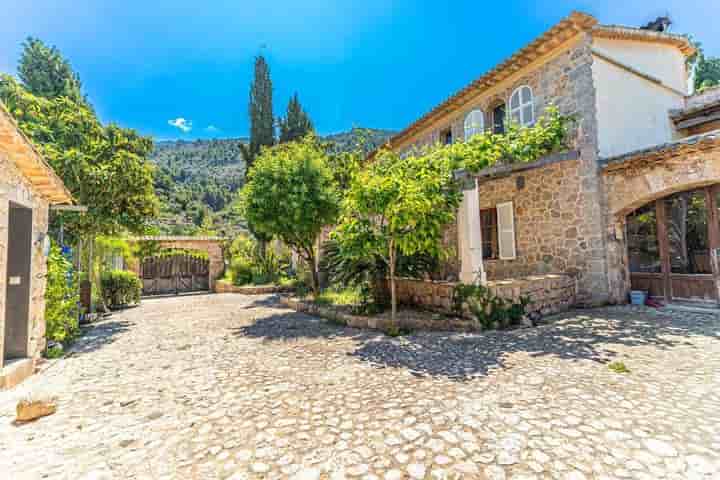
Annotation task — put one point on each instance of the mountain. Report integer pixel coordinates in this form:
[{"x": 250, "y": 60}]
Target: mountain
[{"x": 198, "y": 180}]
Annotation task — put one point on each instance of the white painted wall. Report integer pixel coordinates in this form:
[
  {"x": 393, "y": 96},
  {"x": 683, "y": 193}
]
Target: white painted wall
[
  {"x": 664, "y": 62},
  {"x": 633, "y": 111}
]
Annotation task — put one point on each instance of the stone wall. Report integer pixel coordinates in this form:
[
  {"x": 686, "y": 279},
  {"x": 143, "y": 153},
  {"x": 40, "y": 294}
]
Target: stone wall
[
  {"x": 550, "y": 293},
  {"x": 14, "y": 187},
  {"x": 551, "y": 231}
]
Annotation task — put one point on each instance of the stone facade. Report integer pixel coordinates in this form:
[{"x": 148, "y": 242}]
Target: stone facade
[
  {"x": 559, "y": 212},
  {"x": 14, "y": 187}
]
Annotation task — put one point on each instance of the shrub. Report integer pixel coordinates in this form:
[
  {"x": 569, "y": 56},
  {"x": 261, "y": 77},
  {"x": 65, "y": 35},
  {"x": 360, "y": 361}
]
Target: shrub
[
  {"x": 241, "y": 271},
  {"x": 250, "y": 263},
  {"x": 120, "y": 287},
  {"x": 61, "y": 298},
  {"x": 489, "y": 310}
]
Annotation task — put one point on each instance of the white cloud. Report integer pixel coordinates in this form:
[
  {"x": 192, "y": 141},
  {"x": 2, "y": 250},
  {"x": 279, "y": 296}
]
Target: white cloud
[
  {"x": 181, "y": 123},
  {"x": 212, "y": 129}
]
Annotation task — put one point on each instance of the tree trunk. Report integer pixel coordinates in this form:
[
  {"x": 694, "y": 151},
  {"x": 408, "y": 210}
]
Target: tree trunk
[
  {"x": 393, "y": 297},
  {"x": 314, "y": 272}
]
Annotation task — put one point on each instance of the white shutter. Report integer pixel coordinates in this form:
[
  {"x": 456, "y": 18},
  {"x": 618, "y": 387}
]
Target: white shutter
[{"x": 506, "y": 231}]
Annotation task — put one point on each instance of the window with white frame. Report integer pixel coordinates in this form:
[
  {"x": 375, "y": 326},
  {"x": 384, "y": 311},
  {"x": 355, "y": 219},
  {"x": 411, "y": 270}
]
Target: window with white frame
[
  {"x": 474, "y": 123},
  {"x": 522, "y": 110}
]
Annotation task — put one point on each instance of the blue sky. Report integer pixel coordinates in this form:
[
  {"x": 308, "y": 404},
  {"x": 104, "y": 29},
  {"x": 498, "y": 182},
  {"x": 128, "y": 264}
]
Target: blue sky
[{"x": 377, "y": 63}]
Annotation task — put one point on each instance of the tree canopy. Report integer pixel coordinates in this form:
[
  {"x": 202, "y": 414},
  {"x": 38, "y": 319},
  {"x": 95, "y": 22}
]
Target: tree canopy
[
  {"x": 290, "y": 194},
  {"x": 45, "y": 73},
  {"x": 104, "y": 167}
]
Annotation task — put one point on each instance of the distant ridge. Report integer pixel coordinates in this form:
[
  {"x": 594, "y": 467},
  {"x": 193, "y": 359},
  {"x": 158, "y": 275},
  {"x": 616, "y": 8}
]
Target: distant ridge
[{"x": 201, "y": 177}]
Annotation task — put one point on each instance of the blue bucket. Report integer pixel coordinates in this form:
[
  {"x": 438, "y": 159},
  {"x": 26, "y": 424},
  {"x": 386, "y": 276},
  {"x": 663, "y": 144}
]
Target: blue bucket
[{"x": 638, "y": 297}]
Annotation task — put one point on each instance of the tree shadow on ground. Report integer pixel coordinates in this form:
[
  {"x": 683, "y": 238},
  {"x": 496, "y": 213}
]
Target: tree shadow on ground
[
  {"x": 596, "y": 335},
  {"x": 99, "y": 335}
]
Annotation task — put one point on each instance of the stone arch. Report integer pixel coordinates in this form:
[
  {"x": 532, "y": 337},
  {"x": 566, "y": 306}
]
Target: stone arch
[
  {"x": 632, "y": 184},
  {"x": 212, "y": 245}
]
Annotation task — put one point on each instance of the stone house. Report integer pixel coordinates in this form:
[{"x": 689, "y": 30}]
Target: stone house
[
  {"x": 28, "y": 186},
  {"x": 632, "y": 204}
]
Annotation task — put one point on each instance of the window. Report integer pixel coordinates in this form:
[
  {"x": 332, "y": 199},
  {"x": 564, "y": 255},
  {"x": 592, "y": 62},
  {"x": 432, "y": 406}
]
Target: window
[
  {"x": 488, "y": 231},
  {"x": 642, "y": 241},
  {"x": 522, "y": 110},
  {"x": 497, "y": 228},
  {"x": 474, "y": 123},
  {"x": 446, "y": 137},
  {"x": 499, "y": 119}
]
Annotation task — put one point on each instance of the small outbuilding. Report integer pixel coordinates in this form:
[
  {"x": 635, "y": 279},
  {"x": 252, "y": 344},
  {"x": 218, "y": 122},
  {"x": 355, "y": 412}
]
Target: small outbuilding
[{"x": 28, "y": 186}]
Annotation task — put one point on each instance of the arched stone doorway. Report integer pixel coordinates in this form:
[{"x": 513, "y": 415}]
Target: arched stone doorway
[
  {"x": 672, "y": 245},
  {"x": 212, "y": 245},
  {"x": 663, "y": 222}
]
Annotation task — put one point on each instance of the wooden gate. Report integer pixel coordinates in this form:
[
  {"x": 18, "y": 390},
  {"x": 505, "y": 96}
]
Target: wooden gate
[{"x": 174, "y": 274}]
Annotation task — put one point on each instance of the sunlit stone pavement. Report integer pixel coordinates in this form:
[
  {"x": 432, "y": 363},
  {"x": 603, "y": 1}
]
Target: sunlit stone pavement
[{"x": 231, "y": 386}]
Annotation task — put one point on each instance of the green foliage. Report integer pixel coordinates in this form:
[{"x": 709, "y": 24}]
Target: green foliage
[
  {"x": 707, "y": 69},
  {"x": 618, "y": 367},
  {"x": 340, "y": 296},
  {"x": 517, "y": 144},
  {"x": 262, "y": 126},
  {"x": 104, "y": 167},
  {"x": 290, "y": 195},
  {"x": 249, "y": 264},
  {"x": 397, "y": 205},
  {"x": 61, "y": 298},
  {"x": 296, "y": 124},
  {"x": 197, "y": 181},
  {"x": 46, "y": 73},
  {"x": 489, "y": 310},
  {"x": 120, "y": 287}
]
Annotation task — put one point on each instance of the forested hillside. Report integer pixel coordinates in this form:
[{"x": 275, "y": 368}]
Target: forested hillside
[{"x": 197, "y": 181}]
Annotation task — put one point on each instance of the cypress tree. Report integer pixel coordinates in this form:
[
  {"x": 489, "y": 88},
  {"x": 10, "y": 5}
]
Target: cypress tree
[
  {"x": 296, "y": 123},
  {"x": 262, "y": 129}
]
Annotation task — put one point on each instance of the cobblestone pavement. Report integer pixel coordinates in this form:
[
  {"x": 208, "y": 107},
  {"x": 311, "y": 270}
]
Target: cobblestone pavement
[{"x": 228, "y": 386}]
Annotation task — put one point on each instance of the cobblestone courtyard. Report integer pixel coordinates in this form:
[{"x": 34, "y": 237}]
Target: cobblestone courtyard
[{"x": 230, "y": 386}]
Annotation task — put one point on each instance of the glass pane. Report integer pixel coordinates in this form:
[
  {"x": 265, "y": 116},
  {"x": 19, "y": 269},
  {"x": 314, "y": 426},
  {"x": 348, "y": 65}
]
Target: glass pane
[
  {"x": 515, "y": 100},
  {"x": 526, "y": 97},
  {"x": 527, "y": 115},
  {"x": 688, "y": 232},
  {"x": 515, "y": 114},
  {"x": 643, "y": 249}
]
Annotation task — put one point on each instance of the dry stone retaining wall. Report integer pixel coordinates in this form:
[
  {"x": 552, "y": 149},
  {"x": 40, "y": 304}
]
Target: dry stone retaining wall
[{"x": 550, "y": 293}]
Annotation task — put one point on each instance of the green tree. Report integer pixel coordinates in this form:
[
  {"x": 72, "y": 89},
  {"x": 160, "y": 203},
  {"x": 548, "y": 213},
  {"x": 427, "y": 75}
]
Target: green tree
[
  {"x": 262, "y": 127},
  {"x": 296, "y": 123},
  {"x": 398, "y": 205},
  {"x": 105, "y": 168},
  {"x": 706, "y": 69},
  {"x": 290, "y": 194},
  {"x": 707, "y": 72},
  {"x": 46, "y": 73}
]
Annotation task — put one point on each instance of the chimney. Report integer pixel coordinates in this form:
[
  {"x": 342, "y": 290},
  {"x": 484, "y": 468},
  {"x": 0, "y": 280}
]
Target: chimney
[{"x": 660, "y": 24}]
